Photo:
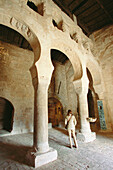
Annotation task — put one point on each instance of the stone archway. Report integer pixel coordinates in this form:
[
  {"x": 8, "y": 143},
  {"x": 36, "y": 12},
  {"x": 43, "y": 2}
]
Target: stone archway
[
  {"x": 55, "y": 111},
  {"x": 19, "y": 25},
  {"x": 61, "y": 86},
  {"x": 6, "y": 115},
  {"x": 71, "y": 54}
]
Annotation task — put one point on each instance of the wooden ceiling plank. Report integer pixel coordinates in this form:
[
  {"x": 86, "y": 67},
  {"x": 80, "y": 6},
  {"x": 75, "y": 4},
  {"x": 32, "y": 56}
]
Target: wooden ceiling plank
[
  {"x": 97, "y": 18},
  {"x": 83, "y": 26},
  {"x": 71, "y": 3},
  {"x": 101, "y": 5},
  {"x": 79, "y": 6},
  {"x": 86, "y": 9},
  {"x": 81, "y": 23},
  {"x": 100, "y": 23},
  {"x": 93, "y": 29},
  {"x": 96, "y": 12}
]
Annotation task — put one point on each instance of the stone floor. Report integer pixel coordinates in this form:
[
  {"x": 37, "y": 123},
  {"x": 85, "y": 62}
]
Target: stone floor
[{"x": 96, "y": 155}]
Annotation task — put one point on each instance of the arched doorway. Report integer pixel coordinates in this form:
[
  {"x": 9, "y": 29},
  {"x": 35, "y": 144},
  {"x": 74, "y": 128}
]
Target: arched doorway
[
  {"x": 91, "y": 104},
  {"x": 55, "y": 111},
  {"x": 6, "y": 115},
  {"x": 91, "y": 108}
]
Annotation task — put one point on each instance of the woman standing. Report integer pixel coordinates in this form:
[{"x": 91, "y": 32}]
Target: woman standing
[{"x": 70, "y": 122}]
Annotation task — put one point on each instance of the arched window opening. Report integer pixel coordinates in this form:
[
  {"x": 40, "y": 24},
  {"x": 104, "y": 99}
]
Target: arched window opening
[{"x": 6, "y": 115}]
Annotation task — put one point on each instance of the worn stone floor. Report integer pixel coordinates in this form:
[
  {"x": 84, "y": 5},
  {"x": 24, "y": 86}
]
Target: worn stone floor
[{"x": 96, "y": 155}]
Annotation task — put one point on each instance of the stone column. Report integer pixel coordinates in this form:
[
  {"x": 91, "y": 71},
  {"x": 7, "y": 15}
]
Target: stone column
[
  {"x": 81, "y": 88},
  {"x": 41, "y": 152},
  {"x": 41, "y": 117},
  {"x": 83, "y": 106}
]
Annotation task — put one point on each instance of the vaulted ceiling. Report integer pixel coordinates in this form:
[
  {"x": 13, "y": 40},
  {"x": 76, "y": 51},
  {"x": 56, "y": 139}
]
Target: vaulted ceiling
[{"x": 91, "y": 15}]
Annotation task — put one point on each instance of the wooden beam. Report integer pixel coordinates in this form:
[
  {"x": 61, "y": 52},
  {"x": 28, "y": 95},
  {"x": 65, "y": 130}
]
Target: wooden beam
[
  {"x": 71, "y": 2},
  {"x": 101, "y": 5},
  {"x": 84, "y": 11},
  {"x": 83, "y": 26},
  {"x": 79, "y": 6},
  {"x": 81, "y": 23},
  {"x": 64, "y": 8}
]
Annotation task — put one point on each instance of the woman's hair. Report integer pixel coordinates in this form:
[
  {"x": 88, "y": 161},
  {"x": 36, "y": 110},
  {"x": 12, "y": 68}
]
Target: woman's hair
[{"x": 69, "y": 111}]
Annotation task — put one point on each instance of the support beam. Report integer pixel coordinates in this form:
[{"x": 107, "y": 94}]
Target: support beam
[
  {"x": 101, "y": 5},
  {"x": 67, "y": 11},
  {"x": 79, "y": 6}
]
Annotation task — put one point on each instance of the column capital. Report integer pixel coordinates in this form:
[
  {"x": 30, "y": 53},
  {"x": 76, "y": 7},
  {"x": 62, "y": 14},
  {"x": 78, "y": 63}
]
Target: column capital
[
  {"x": 78, "y": 86},
  {"x": 44, "y": 71}
]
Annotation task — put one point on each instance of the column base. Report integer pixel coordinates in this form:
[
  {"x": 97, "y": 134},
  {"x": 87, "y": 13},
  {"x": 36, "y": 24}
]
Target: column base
[
  {"x": 37, "y": 159},
  {"x": 87, "y": 136}
]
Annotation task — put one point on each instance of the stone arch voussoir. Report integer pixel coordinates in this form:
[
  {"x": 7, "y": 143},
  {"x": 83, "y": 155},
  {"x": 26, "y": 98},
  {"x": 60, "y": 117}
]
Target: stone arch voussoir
[{"x": 24, "y": 30}]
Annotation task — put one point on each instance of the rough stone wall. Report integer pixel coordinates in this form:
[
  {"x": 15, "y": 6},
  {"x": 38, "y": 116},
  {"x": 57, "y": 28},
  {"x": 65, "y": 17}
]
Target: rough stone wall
[
  {"x": 62, "y": 87},
  {"x": 71, "y": 95},
  {"x": 16, "y": 84},
  {"x": 103, "y": 51},
  {"x": 57, "y": 86}
]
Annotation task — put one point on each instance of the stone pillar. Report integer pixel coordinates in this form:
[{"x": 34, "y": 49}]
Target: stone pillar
[
  {"x": 83, "y": 106},
  {"x": 81, "y": 88},
  {"x": 41, "y": 117},
  {"x": 41, "y": 152}
]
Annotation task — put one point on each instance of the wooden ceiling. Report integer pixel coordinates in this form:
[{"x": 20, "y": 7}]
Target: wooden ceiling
[{"x": 91, "y": 15}]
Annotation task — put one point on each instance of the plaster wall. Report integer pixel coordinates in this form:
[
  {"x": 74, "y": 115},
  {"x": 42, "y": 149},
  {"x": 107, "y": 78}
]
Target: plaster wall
[
  {"x": 16, "y": 84},
  {"x": 103, "y": 51}
]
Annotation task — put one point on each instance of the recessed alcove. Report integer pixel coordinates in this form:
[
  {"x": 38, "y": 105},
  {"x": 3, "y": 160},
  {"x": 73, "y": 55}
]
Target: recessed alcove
[{"x": 6, "y": 116}]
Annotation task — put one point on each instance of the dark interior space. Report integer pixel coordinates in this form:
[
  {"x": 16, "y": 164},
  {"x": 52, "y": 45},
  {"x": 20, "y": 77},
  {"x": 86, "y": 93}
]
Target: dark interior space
[{"x": 6, "y": 115}]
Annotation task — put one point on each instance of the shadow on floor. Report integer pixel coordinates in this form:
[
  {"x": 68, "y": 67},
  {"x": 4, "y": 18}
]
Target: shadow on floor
[
  {"x": 64, "y": 131},
  {"x": 14, "y": 152},
  {"x": 59, "y": 142}
]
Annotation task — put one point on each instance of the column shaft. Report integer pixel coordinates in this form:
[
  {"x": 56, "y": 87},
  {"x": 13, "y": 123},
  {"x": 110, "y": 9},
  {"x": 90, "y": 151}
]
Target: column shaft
[
  {"x": 85, "y": 126},
  {"x": 41, "y": 119}
]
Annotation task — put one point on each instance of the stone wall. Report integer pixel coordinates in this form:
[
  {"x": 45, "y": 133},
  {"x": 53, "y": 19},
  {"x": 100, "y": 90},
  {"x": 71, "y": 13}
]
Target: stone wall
[
  {"x": 103, "y": 51},
  {"x": 16, "y": 84},
  {"x": 62, "y": 87},
  {"x": 71, "y": 95},
  {"x": 57, "y": 88}
]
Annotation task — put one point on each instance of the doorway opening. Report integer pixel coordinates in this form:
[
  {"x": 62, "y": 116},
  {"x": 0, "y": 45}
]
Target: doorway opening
[
  {"x": 55, "y": 111},
  {"x": 91, "y": 108},
  {"x": 6, "y": 115}
]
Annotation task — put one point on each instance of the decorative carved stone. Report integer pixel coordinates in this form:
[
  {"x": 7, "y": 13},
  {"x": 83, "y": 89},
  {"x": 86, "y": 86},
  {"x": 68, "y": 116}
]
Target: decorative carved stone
[{"x": 21, "y": 27}]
